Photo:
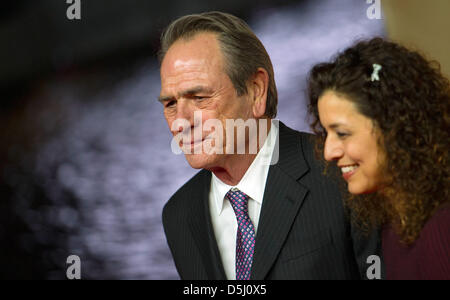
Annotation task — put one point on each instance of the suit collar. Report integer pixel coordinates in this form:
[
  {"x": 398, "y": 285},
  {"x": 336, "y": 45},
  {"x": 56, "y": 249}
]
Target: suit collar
[
  {"x": 283, "y": 198},
  {"x": 291, "y": 159}
]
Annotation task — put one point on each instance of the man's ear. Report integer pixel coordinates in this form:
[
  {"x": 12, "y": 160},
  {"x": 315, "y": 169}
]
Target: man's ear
[{"x": 258, "y": 86}]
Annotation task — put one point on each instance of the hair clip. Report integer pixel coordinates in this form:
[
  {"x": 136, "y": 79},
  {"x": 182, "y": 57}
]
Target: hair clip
[{"x": 376, "y": 69}]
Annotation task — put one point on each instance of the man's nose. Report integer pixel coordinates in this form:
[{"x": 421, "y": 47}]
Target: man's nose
[
  {"x": 184, "y": 114},
  {"x": 184, "y": 110},
  {"x": 187, "y": 117},
  {"x": 333, "y": 149}
]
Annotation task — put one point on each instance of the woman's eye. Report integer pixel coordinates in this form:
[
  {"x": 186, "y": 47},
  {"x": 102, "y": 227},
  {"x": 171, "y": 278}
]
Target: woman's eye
[{"x": 341, "y": 134}]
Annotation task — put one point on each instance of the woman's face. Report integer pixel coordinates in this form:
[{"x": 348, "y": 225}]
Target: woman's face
[{"x": 352, "y": 142}]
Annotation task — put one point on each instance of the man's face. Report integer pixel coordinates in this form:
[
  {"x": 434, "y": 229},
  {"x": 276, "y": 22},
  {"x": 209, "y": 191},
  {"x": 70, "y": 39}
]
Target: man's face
[{"x": 193, "y": 79}]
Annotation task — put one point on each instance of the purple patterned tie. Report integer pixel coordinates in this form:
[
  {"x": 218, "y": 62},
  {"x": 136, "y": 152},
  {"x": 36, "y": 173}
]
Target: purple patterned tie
[{"x": 245, "y": 239}]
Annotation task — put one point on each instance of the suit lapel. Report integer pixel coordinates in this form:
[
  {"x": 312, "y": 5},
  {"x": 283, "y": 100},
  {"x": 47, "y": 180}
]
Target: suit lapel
[
  {"x": 201, "y": 229},
  {"x": 283, "y": 197}
]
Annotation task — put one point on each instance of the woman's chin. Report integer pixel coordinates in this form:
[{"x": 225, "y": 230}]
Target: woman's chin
[{"x": 361, "y": 191}]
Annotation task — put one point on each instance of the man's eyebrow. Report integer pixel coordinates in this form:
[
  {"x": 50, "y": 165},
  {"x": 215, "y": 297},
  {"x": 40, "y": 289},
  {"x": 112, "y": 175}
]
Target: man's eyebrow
[
  {"x": 165, "y": 98},
  {"x": 196, "y": 90},
  {"x": 188, "y": 92}
]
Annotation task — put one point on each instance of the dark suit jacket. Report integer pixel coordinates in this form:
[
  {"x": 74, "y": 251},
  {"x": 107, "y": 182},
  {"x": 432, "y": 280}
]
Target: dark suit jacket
[{"x": 303, "y": 231}]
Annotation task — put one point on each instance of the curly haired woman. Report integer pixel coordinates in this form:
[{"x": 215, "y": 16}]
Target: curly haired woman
[{"x": 382, "y": 112}]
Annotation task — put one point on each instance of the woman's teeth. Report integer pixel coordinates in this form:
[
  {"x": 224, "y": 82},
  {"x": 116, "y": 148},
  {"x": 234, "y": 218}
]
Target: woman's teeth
[{"x": 349, "y": 168}]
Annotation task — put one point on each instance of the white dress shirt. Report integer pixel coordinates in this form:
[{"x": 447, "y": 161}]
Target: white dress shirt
[{"x": 253, "y": 184}]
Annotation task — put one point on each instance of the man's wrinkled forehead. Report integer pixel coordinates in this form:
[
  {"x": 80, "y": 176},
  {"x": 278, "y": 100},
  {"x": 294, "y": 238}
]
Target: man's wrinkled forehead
[
  {"x": 203, "y": 47},
  {"x": 183, "y": 71},
  {"x": 192, "y": 60}
]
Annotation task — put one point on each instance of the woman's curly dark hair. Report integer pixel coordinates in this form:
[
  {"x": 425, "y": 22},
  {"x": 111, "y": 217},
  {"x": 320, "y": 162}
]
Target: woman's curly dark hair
[{"x": 409, "y": 105}]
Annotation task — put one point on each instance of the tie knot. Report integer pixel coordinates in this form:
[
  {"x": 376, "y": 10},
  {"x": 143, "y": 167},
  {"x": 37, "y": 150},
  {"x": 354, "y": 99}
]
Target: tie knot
[{"x": 239, "y": 201}]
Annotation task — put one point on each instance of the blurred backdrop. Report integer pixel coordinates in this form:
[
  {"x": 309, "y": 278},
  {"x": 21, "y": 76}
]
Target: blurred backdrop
[{"x": 85, "y": 158}]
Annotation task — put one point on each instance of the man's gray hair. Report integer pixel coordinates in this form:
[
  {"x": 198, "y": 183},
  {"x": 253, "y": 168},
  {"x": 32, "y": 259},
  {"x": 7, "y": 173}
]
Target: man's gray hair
[{"x": 243, "y": 51}]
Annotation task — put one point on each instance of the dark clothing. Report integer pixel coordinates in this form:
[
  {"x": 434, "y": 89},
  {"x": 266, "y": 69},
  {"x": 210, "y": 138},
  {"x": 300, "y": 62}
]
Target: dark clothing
[
  {"x": 427, "y": 258},
  {"x": 303, "y": 230}
]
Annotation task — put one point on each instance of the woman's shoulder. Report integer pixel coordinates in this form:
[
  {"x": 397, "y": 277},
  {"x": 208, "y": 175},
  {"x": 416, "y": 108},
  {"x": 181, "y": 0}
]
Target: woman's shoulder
[
  {"x": 441, "y": 216},
  {"x": 435, "y": 246},
  {"x": 437, "y": 230}
]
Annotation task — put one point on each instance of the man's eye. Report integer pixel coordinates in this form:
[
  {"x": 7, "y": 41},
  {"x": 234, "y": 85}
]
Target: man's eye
[
  {"x": 341, "y": 134},
  {"x": 169, "y": 103}
]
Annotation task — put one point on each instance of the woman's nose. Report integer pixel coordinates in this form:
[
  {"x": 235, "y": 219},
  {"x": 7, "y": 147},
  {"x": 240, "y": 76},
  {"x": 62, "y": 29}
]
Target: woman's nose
[{"x": 333, "y": 149}]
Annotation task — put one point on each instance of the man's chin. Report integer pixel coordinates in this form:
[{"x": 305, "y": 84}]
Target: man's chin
[{"x": 199, "y": 161}]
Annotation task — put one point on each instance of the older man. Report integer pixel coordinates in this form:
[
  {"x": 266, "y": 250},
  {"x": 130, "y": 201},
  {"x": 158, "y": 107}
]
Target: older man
[{"x": 262, "y": 214}]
